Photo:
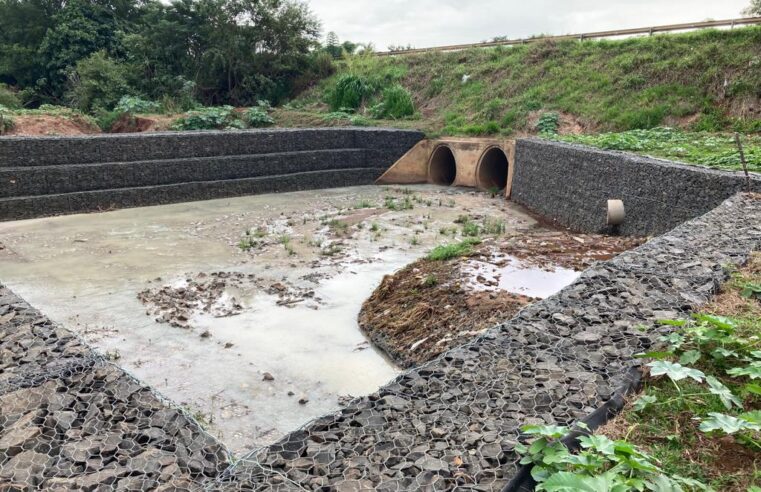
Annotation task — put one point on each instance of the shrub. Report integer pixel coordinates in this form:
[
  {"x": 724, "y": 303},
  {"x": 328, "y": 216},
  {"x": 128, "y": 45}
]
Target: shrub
[
  {"x": 548, "y": 123},
  {"x": 106, "y": 119},
  {"x": 257, "y": 117},
  {"x": 396, "y": 103},
  {"x": 134, "y": 104},
  {"x": 212, "y": 118},
  {"x": 182, "y": 99},
  {"x": 8, "y": 98},
  {"x": 98, "y": 82},
  {"x": 323, "y": 64},
  {"x": 349, "y": 92},
  {"x": 6, "y": 120},
  {"x": 643, "y": 118}
]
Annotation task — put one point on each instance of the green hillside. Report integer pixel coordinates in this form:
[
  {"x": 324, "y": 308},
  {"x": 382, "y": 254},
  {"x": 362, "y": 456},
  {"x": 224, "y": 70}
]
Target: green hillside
[{"x": 703, "y": 81}]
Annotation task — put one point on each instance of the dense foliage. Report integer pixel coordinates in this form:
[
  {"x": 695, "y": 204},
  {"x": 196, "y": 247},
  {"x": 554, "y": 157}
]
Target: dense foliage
[
  {"x": 705, "y": 80},
  {"x": 90, "y": 53},
  {"x": 712, "y": 150}
]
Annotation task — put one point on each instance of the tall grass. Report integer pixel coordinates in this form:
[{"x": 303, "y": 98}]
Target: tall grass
[{"x": 706, "y": 80}]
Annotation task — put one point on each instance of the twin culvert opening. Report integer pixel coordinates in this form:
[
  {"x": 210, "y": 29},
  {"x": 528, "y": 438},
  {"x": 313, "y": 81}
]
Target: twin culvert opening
[{"x": 491, "y": 169}]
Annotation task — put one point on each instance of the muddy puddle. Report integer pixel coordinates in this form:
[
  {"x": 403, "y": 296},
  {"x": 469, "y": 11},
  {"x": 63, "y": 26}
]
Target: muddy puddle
[
  {"x": 505, "y": 273},
  {"x": 245, "y": 310}
]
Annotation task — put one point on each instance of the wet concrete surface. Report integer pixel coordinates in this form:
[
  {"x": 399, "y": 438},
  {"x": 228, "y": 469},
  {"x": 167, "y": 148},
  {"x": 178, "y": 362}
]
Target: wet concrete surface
[{"x": 303, "y": 263}]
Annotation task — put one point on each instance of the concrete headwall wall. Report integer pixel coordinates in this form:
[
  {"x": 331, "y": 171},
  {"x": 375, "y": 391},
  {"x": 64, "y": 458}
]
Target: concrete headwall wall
[
  {"x": 571, "y": 184},
  {"x": 57, "y": 175}
]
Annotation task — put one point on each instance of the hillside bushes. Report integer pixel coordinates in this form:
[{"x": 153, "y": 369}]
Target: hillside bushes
[
  {"x": 705, "y": 80},
  {"x": 396, "y": 103},
  {"x": 350, "y": 92}
]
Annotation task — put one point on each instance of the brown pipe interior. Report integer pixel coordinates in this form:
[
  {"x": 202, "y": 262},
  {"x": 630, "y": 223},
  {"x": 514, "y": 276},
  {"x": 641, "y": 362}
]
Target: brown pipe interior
[
  {"x": 492, "y": 170},
  {"x": 442, "y": 168}
]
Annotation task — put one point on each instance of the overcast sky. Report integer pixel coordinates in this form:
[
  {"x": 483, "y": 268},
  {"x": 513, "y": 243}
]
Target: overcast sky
[{"x": 423, "y": 23}]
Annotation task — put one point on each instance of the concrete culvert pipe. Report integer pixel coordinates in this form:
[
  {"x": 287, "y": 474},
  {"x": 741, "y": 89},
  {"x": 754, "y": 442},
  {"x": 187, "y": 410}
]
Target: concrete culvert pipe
[
  {"x": 492, "y": 169},
  {"x": 442, "y": 167}
]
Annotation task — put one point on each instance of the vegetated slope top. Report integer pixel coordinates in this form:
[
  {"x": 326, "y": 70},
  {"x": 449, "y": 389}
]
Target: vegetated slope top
[{"x": 706, "y": 80}]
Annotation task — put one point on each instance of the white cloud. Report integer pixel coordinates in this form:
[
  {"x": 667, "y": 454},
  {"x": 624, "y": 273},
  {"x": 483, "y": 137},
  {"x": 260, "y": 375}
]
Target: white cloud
[{"x": 424, "y": 23}]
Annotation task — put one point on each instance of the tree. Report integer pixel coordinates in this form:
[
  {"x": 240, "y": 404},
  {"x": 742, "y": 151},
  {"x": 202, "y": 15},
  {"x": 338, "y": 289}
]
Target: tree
[
  {"x": 753, "y": 9},
  {"x": 333, "y": 45},
  {"x": 79, "y": 29},
  {"x": 219, "y": 51},
  {"x": 97, "y": 83}
]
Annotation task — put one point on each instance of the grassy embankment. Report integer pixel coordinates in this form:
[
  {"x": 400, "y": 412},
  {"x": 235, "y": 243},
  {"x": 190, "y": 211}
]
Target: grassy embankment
[{"x": 704, "y": 83}]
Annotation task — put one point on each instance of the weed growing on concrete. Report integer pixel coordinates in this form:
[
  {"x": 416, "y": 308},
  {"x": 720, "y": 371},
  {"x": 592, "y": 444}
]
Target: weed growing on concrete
[
  {"x": 364, "y": 204},
  {"x": 314, "y": 243},
  {"x": 285, "y": 240},
  {"x": 470, "y": 229},
  {"x": 250, "y": 239},
  {"x": 493, "y": 227},
  {"x": 448, "y": 251},
  {"x": 392, "y": 203},
  {"x": 338, "y": 227},
  {"x": 331, "y": 249},
  {"x": 113, "y": 355}
]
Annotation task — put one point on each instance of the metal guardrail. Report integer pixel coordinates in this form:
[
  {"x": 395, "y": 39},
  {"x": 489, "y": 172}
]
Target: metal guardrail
[{"x": 589, "y": 35}]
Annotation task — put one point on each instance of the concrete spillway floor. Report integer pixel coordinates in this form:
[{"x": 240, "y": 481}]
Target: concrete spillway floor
[{"x": 298, "y": 292}]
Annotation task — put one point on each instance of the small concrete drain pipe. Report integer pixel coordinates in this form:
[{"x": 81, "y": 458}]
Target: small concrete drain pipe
[{"x": 616, "y": 212}]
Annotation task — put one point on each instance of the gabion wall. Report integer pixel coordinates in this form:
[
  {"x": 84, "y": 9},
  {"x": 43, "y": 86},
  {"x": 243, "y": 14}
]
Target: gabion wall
[
  {"x": 57, "y": 175},
  {"x": 571, "y": 184},
  {"x": 70, "y": 420}
]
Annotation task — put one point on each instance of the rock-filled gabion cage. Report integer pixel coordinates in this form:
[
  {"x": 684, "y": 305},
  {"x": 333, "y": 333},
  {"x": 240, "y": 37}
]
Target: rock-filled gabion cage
[{"x": 71, "y": 420}]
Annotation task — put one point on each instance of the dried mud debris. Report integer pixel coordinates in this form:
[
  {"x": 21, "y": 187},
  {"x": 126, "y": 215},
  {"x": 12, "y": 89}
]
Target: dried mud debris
[
  {"x": 426, "y": 308},
  {"x": 413, "y": 320},
  {"x": 550, "y": 249},
  {"x": 177, "y": 304}
]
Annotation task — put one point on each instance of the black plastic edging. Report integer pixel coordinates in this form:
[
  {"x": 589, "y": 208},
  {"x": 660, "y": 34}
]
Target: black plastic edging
[{"x": 523, "y": 482}]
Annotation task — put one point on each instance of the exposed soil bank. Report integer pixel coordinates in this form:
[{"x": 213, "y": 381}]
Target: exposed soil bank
[{"x": 431, "y": 306}]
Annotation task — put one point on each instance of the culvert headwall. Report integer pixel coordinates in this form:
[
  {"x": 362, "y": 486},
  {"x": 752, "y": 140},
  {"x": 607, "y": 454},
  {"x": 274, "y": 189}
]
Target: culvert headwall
[
  {"x": 57, "y": 175},
  {"x": 571, "y": 185},
  {"x": 471, "y": 162}
]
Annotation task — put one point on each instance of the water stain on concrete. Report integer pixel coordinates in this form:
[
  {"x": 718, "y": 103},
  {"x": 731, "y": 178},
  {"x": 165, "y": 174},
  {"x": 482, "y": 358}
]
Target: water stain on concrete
[{"x": 254, "y": 374}]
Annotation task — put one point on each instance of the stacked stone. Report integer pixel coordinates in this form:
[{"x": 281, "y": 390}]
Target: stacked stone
[
  {"x": 71, "y": 421},
  {"x": 571, "y": 184},
  {"x": 454, "y": 422}
]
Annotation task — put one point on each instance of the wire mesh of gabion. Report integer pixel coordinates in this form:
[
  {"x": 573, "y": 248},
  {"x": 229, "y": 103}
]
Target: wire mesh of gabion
[
  {"x": 452, "y": 424},
  {"x": 71, "y": 420}
]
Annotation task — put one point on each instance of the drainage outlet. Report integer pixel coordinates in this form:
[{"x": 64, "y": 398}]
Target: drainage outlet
[
  {"x": 492, "y": 169},
  {"x": 442, "y": 168}
]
